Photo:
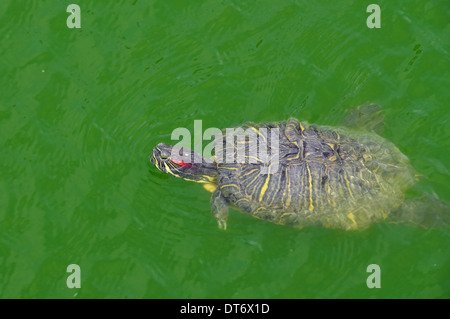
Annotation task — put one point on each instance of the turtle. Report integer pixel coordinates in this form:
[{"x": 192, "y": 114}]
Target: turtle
[{"x": 338, "y": 177}]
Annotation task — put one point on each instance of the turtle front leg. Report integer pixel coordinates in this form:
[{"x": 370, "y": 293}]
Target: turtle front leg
[{"x": 219, "y": 208}]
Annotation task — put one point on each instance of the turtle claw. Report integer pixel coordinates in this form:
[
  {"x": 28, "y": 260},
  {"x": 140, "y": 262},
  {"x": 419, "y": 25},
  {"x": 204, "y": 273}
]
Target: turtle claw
[
  {"x": 222, "y": 224},
  {"x": 219, "y": 209}
]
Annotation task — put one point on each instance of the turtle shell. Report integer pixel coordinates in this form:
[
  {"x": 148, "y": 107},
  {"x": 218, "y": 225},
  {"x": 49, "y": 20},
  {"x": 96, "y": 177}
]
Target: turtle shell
[{"x": 312, "y": 175}]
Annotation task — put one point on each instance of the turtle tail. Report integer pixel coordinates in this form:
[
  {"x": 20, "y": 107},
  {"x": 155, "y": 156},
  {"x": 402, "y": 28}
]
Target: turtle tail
[{"x": 425, "y": 212}]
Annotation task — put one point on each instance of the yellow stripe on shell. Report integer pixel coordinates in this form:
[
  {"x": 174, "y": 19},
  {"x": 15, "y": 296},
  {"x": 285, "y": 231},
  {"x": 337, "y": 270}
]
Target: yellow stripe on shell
[
  {"x": 352, "y": 218},
  {"x": 288, "y": 187},
  {"x": 311, "y": 207},
  {"x": 266, "y": 184},
  {"x": 348, "y": 184},
  {"x": 229, "y": 185},
  {"x": 248, "y": 173},
  {"x": 301, "y": 127}
]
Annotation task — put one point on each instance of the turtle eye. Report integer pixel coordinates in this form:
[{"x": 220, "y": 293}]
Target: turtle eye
[{"x": 164, "y": 156}]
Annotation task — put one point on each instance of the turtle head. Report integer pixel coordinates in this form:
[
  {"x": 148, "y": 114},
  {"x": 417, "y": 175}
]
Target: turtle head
[{"x": 183, "y": 163}]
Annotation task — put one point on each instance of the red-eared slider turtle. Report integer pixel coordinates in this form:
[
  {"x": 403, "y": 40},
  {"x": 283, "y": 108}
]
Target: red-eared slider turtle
[{"x": 336, "y": 177}]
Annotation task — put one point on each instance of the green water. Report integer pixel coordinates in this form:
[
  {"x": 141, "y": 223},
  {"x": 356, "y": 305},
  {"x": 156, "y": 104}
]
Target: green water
[{"x": 81, "y": 110}]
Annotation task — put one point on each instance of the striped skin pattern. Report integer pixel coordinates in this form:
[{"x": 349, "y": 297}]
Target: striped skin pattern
[{"x": 326, "y": 176}]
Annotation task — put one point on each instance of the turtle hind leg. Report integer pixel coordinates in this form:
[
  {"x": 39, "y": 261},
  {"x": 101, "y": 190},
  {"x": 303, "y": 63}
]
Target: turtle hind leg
[
  {"x": 425, "y": 212},
  {"x": 219, "y": 208},
  {"x": 368, "y": 116}
]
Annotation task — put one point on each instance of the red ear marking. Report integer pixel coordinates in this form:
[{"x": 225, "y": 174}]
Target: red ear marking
[{"x": 181, "y": 163}]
